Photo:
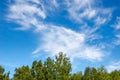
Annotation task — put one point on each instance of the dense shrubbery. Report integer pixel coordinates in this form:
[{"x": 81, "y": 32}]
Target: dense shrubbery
[{"x": 58, "y": 69}]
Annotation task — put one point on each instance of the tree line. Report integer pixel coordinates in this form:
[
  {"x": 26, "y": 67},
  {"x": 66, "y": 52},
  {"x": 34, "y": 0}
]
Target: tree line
[{"x": 58, "y": 69}]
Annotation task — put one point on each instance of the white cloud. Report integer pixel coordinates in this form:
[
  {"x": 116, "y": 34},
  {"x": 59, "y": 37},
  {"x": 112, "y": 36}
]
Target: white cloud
[
  {"x": 117, "y": 24},
  {"x": 117, "y": 40},
  {"x": 28, "y": 14},
  {"x": 56, "y": 38},
  {"x": 61, "y": 38},
  {"x": 79, "y": 9},
  {"x": 113, "y": 66},
  {"x": 25, "y": 14},
  {"x": 100, "y": 20},
  {"x": 82, "y": 10}
]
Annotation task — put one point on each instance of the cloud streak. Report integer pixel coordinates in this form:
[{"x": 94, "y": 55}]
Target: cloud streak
[
  {"x": 116, "y": 26},
  {"x": 114, "y": 66},
  {"x": 87, "y": 10},
  {"x": 58, "y": 39}
]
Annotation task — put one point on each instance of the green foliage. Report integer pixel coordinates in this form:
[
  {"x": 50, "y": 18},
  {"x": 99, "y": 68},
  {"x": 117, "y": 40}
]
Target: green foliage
[
  {"x": 3, "y": 75},
  {"x": 58, "y": 69},
  {"x": 23, "y": 73},
  {"x": 37, "y": 70},
  {"x": 103, "y": 74},
  {"x": 76, "y": 76},
  {"x": 115, "y": 75},
  {"x": 62, "y": 66},
  {"x": 49, "y": 69}
]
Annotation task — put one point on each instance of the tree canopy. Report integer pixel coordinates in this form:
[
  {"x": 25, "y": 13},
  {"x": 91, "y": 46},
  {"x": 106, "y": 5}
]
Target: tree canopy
[{"x": 58, "y": 69}]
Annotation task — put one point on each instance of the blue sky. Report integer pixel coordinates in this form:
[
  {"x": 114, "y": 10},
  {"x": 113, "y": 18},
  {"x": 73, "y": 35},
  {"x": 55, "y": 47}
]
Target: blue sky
[{"x": 88, "y": 31}]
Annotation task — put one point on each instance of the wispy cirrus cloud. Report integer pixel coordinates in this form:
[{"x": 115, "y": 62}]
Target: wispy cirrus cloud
[
  {"x": 87, "y": 10},
  {"x": 26, "y": 16},
  {"x": 30, "y": 13},
  {"x": 117, "y": 41},
  {"x": 113, "y": 66},
  {"x": 116, "y": 26},
  {"x": 56, "y": 38}
]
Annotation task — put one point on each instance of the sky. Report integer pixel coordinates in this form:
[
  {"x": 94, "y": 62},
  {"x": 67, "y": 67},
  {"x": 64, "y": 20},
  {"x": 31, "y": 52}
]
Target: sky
[{"x": 87, "y": 31}]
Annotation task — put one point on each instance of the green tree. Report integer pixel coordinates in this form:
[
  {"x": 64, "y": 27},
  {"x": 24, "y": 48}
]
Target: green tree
[
  {"x": 49, "y": 69},
  {"x": 90, "y": 73},
  {"x": 3, "y": 75},
  {"x": 93, "y": 73},
  {"x": 87, "y": 73},
  {"x": 37, "y": 71},
  {"x": 76, "y": 76},
  {"x": 102, "y": 74},
  {"x": 23, "y": 73},
  {"x": 62, "y": 67},
  {"x": 115, "y": 75},
  {"x": 58, "y": 69}
]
